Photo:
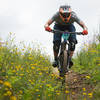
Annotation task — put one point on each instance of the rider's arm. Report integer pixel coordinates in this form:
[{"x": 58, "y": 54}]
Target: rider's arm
[
  {"x": 46, "y": 26},
  {"x": 79, "y": 21},
  {"x": 48, "y": 23},
  {"x": 85, "y": 29},
  {"x": 51, "y": 20},
  {"x": 83, "y": 25}
]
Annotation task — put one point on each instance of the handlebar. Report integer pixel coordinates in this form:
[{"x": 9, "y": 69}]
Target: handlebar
[{"x": 62, "y": 32}]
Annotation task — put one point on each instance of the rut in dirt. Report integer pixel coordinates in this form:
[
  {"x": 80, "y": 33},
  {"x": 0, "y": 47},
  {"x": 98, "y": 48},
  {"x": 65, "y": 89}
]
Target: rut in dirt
[{"x": 77, "y": 85}]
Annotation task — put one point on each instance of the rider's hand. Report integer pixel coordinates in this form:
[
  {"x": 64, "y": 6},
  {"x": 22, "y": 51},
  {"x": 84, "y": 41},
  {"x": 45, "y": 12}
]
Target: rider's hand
[
  {"x": 85, "y": 32},
  {"x": 48, "y": 29}
]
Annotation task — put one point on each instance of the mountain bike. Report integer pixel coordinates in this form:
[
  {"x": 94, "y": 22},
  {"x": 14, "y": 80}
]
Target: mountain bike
[{"x": 64, "y": 54}]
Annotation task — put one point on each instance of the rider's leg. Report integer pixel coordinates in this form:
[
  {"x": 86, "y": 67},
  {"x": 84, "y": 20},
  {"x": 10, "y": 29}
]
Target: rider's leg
[
  {"x": 72, "y": 39},
  {"x": 56, "y": 45},
  {"x": 72, "y": 47},
  {"x": 73, "y": 42}
]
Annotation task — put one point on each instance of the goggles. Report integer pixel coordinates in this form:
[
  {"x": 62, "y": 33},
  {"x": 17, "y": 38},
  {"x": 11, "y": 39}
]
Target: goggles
[{"x": 65, "y": 15}]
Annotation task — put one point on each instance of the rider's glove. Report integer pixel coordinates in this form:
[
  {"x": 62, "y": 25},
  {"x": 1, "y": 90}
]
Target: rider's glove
[
  {"x": 48, "y": 29},
  {"x": 85, "y": 32}
]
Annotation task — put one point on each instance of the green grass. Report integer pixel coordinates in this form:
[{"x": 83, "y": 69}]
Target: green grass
[
  {"x": 88, "y": 62},
  {"x": 26, "y": 74}
]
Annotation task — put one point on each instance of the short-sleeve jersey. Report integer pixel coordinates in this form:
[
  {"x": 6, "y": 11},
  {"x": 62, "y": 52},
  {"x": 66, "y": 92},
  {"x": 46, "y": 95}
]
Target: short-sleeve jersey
[{"x": 57, "y": 19}]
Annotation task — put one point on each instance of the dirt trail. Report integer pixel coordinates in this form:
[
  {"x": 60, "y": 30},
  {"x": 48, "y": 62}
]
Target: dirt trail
[{"x": 77, "y": 85}]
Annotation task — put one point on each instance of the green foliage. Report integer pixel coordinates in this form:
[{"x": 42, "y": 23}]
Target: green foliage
[
  {"x": 26, "y": 74},
  {"x": 88, "y": 62}
]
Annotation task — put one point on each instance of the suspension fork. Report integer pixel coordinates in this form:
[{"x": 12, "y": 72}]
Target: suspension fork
[
  {"x": 68, "y": 54},
  {"x": 63, "y": 46},
  {"x": 69, "y": 47}
]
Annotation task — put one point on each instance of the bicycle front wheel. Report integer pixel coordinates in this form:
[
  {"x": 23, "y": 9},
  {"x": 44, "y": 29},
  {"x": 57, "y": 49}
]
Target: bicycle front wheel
[{"x": 63, "y": 63}]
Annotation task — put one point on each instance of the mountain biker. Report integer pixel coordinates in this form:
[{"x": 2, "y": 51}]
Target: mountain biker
[{"x": 64, "y": 20}]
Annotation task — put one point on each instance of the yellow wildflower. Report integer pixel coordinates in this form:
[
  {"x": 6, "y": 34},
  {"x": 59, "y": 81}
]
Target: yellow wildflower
[
  {"x": 6, "y": 89},
  {"x": 34, "y": 64},
  {"x": 66, "y": 91},
  {"x": 40, "y": 73},
  {"x": 58, "y": 93},
  {"x": 84, "y": 99},
  {"x": 3, "y": 70},
  {"x": 23, "y": 49},
  {"x": 21, "y": 74},
  {"x": 93, "y": 51},
  {"x": 61, "y": 78},
  {"x": 39, "y": 69},
  {"x": 30, "y": 58},
  {"x": 73, "y": 93},
  {"x": 16, "y": 73},
  {"x": 52, "y": 75},
  {"x": 6, "y": 76},
  {"x": 13, "y": 71},
  {"x": 1, "y": 81},
  {"x": 84, "y": 89},
  {"x": 27, "y": 71},
  {"x": 40, "y": 86},
  {"x": 7, "y": 84},
  {"x": 8, "y": 93},
  {"x": 37, "y": 90},
  {"x": 20, "y": 91},
  {"x": 13, "y": 98},
  {"x": 88, "y": 77},
  {"x": 43, "y": 81},
  {"x": 12, "y": 63},
  {"x": 48, "y": 85},
  {"x": 98, "y": 64},
  {"x": 84, "y": 93},
  {"x": 38, "y": 99},
  {"x": 38, "y": 95},
  {"x": 16, "y": 48},
  {"x": 49, "y": 95},
  {"x": 41, "y": 56},
  {"x": 90, "y": 94},
  {"x": 30, "y": 80},
  {"x": 21, "y": 68},
  {"x": 47, "y": 72},
  {"x": 33, "y": 67}
]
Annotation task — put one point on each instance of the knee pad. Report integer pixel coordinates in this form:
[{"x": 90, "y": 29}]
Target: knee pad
[
  {"x": 73, "y": 43},
  {"x": 56, "y": 46},
  {"x": 72, "y": 48}
]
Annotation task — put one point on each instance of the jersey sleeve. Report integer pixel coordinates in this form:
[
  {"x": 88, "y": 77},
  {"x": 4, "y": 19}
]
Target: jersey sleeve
[
  {"x": 53, "y": 18},
  {"x": 76, "y": 18}
]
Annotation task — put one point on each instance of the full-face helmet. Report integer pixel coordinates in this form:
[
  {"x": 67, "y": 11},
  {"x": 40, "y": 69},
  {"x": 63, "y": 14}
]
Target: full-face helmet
[{"x": 65, "y": 11}]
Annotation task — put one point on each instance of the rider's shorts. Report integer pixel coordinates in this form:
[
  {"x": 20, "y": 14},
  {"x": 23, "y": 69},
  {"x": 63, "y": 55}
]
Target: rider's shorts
[{"x": 70, "y": 28}]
